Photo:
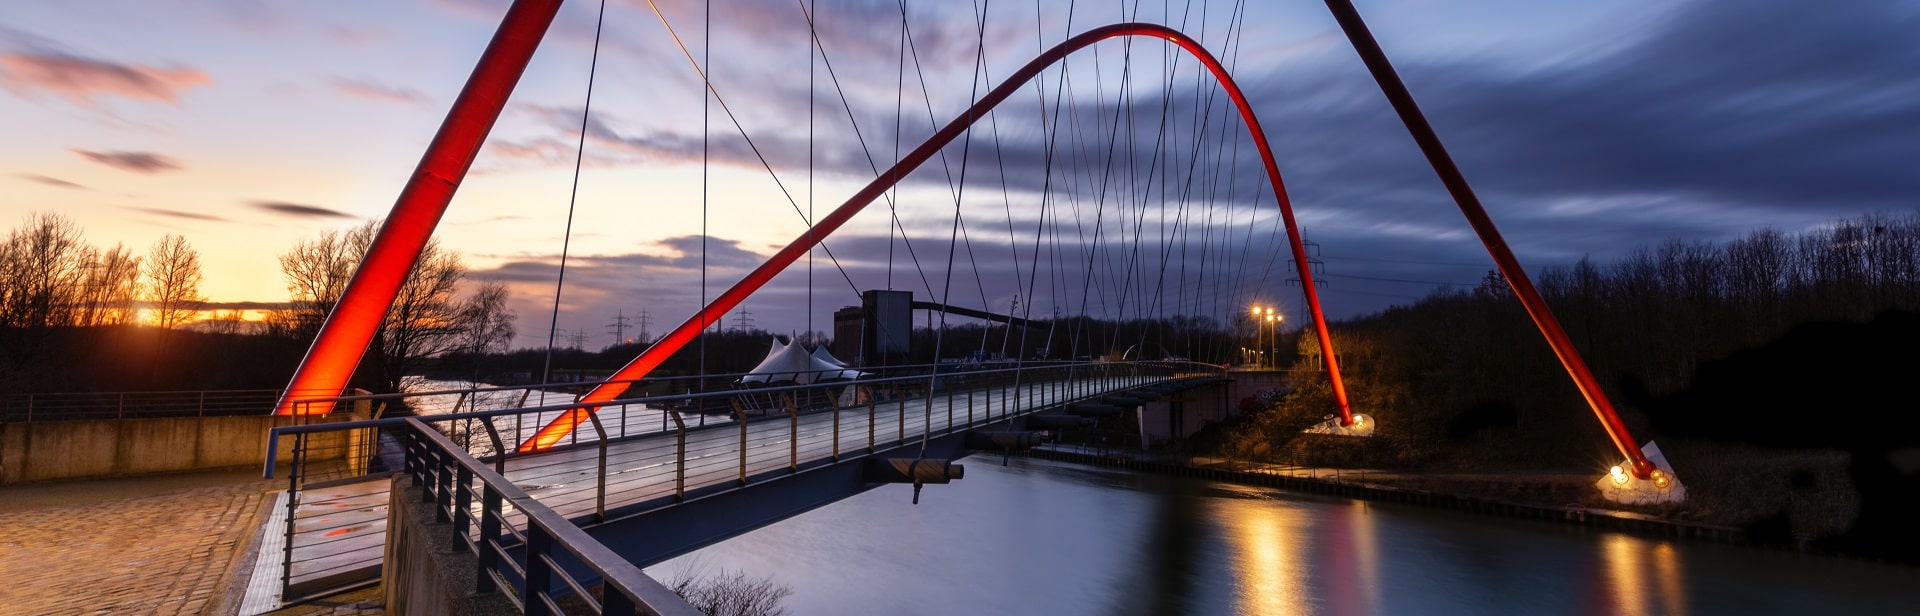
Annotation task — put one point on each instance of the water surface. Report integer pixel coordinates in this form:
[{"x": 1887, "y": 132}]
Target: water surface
[{"x": 1040, "y": 537}]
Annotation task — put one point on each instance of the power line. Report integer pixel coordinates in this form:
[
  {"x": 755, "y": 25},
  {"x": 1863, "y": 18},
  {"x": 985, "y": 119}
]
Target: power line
[{"x": 618, "y": 327}]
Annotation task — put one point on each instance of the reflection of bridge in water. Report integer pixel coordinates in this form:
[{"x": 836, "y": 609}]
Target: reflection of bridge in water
[{"x": 630, "y": 474}]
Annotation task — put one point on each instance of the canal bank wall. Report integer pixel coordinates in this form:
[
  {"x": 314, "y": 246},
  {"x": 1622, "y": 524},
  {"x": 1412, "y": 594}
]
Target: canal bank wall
[{"x": 1580, "y": 516}]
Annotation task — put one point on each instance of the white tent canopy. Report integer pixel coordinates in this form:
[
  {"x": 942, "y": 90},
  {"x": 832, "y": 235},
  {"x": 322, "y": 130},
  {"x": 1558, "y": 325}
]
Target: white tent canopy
[{"x": 791, "y": 363}]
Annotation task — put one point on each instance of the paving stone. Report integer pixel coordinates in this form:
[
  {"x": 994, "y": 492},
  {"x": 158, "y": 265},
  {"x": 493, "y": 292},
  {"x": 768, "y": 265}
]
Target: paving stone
[{"x": 162, "y": 553}]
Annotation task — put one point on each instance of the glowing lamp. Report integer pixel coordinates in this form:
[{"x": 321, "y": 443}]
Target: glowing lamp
[
  {"x": 1660, "y": 479},
  {"x": 1619, "y": 475}
]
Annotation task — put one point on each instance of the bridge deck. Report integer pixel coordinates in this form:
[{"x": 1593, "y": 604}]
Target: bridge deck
[{"x": 339, "y": 531}]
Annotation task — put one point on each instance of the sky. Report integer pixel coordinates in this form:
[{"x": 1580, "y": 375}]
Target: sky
[{"x": 1587, "y": 128}]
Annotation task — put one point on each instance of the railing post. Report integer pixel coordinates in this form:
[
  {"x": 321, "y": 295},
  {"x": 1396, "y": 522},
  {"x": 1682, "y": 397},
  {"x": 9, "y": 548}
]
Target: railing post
[
  {"x": 834, "y": 402},
  {"x": 539, "y": 573},
  {"x": 600, "y": 478},
  {"x": 462, "y": 503},
  {"x": 1002, "y": 390},
  {"x": 793, "y": 434},
  {"x": 871, "y": 404},
  {"x": 901, "y": 436},
  {"x": 679, "y": 456},
  {"x": 489, "y": 535},
  {"x": 202, "y": 410},
  {"x": 293, "y": 505},
  {"x": 443, "y": 482},
  {"x": 949, "y": 388},
  {"x": 969, "y": 407},
  {"x": 740, "y": 417},
  {"x": 499, "y": 448},
  {"x": 120, "y": 411}
]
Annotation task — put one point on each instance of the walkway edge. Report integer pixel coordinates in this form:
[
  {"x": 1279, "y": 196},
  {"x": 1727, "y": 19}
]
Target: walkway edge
[{"x": 263, "y": 583}]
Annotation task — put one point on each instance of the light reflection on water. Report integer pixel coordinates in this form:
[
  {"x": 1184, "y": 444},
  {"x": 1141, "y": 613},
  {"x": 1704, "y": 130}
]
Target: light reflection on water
[{"x": 1040, "y": 537}]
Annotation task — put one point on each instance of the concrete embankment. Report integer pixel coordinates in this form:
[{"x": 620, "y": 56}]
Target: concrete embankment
[{"x": 84, "y": 448}]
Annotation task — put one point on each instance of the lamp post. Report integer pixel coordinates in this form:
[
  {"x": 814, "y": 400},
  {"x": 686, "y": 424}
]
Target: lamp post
[
  {"x": 1266, "y": 323},
  {"x": 1256, "y": 336},
  {"x": 1273, "y": 338}
]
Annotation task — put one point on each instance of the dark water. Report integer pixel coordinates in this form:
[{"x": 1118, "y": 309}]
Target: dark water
[{"x": 1052, "y": 538}]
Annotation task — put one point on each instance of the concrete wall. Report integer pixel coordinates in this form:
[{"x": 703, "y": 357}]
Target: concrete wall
[
  {"x": 1162, "y": 420},
  {"x": 424, "y": 573},
  {"x": 49, "y": 450}
]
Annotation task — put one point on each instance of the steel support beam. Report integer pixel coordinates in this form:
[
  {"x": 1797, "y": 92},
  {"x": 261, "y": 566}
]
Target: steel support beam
[
  {"x": 343, "y": 339},
  {"x": 1456, "y": 183}
]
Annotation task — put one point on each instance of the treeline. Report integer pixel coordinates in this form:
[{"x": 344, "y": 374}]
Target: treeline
[
  {"x": 1200, "y": 338},
  {"x": 1773, "y": 368},
  {"x": 74, "y": 317},
  {"x": 1463, "y": 377},
  {"x": 50, "y": 277}
]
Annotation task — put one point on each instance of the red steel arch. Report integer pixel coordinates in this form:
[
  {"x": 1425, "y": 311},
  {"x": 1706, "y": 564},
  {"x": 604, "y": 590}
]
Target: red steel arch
[{"x": 680, "y": 336}]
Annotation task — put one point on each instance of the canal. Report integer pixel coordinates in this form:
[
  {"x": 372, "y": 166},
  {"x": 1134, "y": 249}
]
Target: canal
[{"x": 1041, "y": 537}]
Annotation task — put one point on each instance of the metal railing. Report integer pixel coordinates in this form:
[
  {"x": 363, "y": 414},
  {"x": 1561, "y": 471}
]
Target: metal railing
[
  {"x": 642, "y": 453},
  {"x": 520, "y": 562},
  {"x": 135, "y": 404}
]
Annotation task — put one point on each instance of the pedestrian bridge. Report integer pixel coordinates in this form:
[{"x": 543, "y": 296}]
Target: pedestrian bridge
[{"x": 651, "y": 478}]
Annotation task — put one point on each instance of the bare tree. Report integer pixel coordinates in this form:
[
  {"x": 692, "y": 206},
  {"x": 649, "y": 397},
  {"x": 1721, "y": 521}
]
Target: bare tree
[
  {"x": 317, "y": 271},
  {"x": 422, "y": 321},
  {"x": 731, "y": 593},
  {"x": 43, "y": 266},
  {"x": 223, "y": 322},
  {"x": 107, "y": 291},
  {"x": 486, "y": 324},
  {"x": 173, "y": 282}
]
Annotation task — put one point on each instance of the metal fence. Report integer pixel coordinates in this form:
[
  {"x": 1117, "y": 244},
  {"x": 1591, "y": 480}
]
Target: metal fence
[
  {"x": 476, "y": 501},
  {"x": 135, "y": 404}
]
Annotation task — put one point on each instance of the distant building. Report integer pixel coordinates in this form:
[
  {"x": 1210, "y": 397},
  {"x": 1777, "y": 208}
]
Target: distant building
[{"x": 846, "y": 334}]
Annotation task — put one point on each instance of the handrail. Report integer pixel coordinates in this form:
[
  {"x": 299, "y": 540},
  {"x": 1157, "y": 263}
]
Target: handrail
[
  {"x": 625, "y": 588},
  {"x": 274, "y": 434},
  {"x": 156, "y": 404},
  {"x": 721, "y": 393}
]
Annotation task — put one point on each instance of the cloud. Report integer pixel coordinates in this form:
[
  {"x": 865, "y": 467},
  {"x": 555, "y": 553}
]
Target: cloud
[
  {"x": 50, "y": 181},
  {"x": 371, "y": 90},
  {"x": 300, "y": 211},
  {"x": 179, "y": 214},
  {"x": 81, "y": 80},
  {"x": 138, "y": 162}
]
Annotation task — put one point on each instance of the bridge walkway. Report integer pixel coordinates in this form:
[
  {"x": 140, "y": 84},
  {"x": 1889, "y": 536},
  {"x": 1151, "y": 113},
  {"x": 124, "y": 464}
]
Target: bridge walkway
[{"x": 339, "y": 531}]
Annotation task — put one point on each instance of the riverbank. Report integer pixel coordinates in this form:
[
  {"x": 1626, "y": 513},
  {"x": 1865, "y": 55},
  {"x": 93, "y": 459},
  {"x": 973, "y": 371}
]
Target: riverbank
[{"x": 1375, "y": 486}]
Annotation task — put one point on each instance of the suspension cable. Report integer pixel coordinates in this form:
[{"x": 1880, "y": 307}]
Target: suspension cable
[
  {"x": 566, "y": 239},
  {"x": 704, "y": 80}
]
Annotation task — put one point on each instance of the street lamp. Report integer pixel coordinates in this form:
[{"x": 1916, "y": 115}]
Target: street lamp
[
  {"x": 1273, "y": 339},
  {"x": 1258, "y": 332}
]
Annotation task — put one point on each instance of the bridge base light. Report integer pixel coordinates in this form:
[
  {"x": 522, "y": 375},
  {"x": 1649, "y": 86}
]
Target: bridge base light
[
  {"x": 1662, "y": 487},
  {"x": 1362, "y": 426}
]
